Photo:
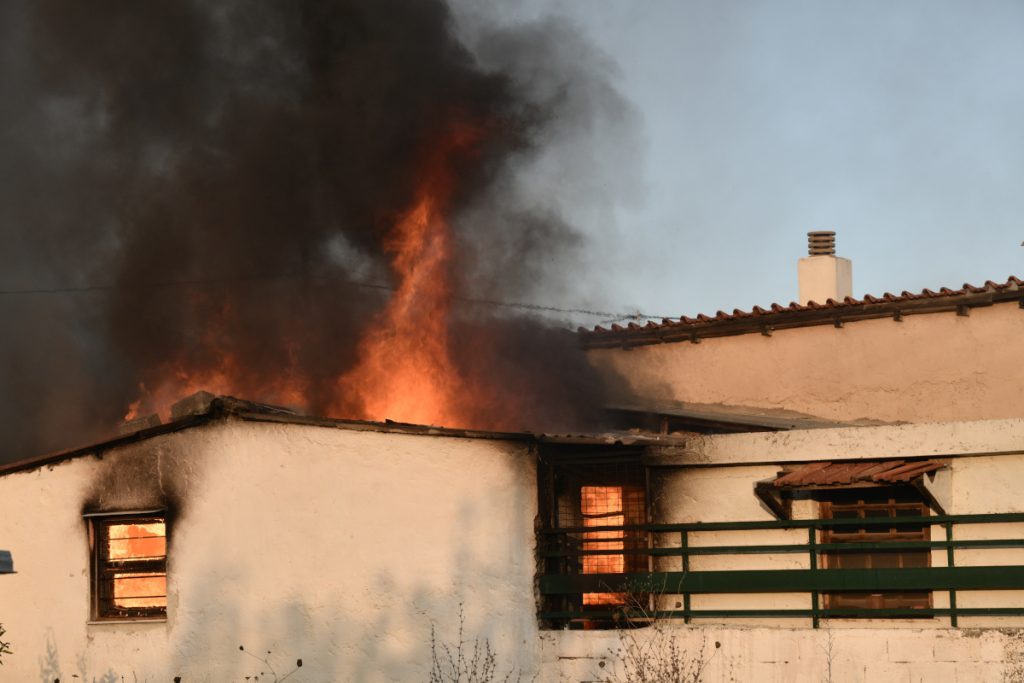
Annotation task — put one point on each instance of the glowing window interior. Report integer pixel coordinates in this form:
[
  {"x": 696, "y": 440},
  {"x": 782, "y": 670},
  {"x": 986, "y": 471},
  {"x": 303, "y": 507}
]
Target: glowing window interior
[
  {"x": 602, "y": 506},
  {"x": 131, "y": 567}
]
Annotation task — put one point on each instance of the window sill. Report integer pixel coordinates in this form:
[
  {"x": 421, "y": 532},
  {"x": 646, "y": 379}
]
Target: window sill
[{"x": 114, "y": 622}]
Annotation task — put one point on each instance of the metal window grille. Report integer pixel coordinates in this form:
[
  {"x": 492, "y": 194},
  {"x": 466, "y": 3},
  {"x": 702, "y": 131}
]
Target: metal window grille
[
  {"x": 129, "y": 566},
  {"x": 598, "y": 491},
  {"x": 875, "y": 504},
  {"x": 602, "y": 506}
]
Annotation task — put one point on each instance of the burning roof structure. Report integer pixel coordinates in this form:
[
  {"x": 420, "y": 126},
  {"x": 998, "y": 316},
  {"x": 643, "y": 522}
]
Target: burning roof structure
[{"x": 203, "y": 407}]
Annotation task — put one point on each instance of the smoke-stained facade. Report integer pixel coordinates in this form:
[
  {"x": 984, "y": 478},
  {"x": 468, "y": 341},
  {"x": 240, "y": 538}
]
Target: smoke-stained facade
[{"x": 366, "y": 549}]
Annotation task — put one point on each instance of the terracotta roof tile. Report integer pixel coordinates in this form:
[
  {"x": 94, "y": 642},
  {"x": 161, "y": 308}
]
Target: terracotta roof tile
[
  {"x": 880, "y": 467},
  {"x": 845, "y": 473},
  {"x": 813, "y": 313}
]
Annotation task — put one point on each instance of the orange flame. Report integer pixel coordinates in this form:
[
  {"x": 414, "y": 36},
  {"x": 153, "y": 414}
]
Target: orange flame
[{"x": 404, "y": 370}]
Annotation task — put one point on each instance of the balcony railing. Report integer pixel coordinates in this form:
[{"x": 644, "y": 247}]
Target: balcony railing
[{"x": 562, "y": 583}]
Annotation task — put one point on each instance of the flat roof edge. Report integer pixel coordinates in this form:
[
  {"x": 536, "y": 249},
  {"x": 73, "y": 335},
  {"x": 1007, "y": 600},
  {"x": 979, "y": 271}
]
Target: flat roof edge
[
  {"x": 224, "y": 407},
  {"x": 38, "y": 461},
  {"x": 1004, "y": 436}
]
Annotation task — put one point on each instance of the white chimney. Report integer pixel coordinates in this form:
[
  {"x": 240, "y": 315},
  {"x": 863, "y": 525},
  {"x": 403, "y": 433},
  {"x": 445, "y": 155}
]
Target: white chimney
[{"x": 822, "y": 274}]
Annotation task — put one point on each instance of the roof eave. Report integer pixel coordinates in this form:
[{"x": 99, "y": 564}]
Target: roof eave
[{"x": 766, "y": 322}]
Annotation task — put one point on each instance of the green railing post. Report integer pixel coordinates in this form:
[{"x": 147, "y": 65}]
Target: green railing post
[
  {"x": 684, "y": 543},
  {"x": 812, "y": 545},
  {"x": 950, "y": 563},
  {"x": 563, "y": 581}
]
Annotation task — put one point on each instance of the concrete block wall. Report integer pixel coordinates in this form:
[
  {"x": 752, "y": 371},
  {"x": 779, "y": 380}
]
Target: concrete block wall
[{"x": 849, "y": 655}]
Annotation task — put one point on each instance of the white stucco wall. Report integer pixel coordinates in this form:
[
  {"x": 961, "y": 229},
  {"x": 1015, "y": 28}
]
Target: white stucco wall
[
  {"x": 788, "y": 655},
  {"x": 927, "y": 368},
  {"x": 336, "y": 546},
  {"x": 712, "y": 480},
  {"x": 706, "y": 494},
  {"x": 343, "y": 547}
]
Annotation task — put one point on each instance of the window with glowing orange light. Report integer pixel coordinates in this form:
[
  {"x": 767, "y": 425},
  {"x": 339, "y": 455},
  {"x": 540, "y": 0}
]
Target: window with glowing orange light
[
  {"x": 602, "y": 506},
  {"x": 581, "y": 491},
  {"x": 129, "y": 568}
]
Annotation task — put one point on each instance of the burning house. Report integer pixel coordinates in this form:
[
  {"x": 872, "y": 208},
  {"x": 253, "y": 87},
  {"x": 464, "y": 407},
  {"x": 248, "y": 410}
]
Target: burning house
[
  {"x": 744, "y": 539},
  {"x": 340, "y": 211}
]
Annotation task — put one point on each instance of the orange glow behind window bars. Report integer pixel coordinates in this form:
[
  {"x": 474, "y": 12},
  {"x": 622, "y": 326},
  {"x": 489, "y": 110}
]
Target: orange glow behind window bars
[{"x": 602, "y": 506}]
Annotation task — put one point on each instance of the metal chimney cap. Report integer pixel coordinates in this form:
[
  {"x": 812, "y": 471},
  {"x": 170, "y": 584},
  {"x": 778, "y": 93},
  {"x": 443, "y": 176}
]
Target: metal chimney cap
[{"x": 821, "y": 243}]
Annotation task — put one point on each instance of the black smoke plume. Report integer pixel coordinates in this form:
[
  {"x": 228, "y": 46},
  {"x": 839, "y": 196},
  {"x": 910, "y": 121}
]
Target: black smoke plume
[{"x": 215, "y": 178}]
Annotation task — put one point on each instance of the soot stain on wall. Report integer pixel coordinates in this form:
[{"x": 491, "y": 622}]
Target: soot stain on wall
[{"x": 157, "y": 474}]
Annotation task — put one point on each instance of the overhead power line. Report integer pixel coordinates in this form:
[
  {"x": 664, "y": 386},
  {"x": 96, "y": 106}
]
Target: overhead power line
[{"x": 609, "y": 316}]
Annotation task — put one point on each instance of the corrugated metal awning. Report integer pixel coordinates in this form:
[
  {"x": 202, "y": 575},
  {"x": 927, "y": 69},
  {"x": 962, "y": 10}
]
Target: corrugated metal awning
[{"x": 853, "y": 473}]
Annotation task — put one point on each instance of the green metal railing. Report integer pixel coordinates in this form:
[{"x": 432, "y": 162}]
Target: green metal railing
[{"x": 562, "y": 583}]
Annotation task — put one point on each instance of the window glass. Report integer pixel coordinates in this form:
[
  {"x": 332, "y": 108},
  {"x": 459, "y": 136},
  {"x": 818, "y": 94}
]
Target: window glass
[
  {"x": 876, "y": 503},
  {"x": 129, "y": 567},
  {"x": 603, "y": 506}
]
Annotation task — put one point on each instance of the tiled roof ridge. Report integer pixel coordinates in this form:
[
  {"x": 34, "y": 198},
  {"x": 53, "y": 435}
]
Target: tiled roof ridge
[{"x": 811, "y": 313}]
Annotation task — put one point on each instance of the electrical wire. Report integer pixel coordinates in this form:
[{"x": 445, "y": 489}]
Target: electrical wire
[{"x": 607, "y": 316}]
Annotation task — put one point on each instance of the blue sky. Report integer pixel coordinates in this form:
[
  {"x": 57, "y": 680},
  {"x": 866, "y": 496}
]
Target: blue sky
[{"x": 898, "y": 124}]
